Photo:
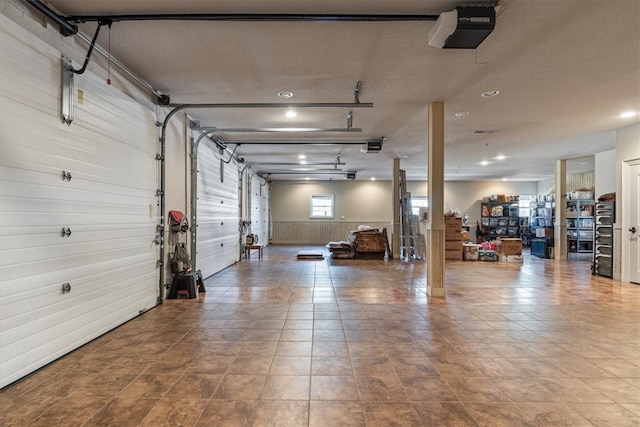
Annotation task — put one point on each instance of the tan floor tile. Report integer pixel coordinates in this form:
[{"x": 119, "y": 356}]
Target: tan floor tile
[
  {"x": 545, "y": 334},
  {"x": 384, "y": 388},
  {"x": 291, "y": 365},
  {"x": 282, "y": 413},
  {"x": 606, "y": 415},
  {"x": 195, "y": 386},
  {"x": 287, "y": 387},
  {"x": 122, "y": 412},
  {"x": 240, "y": 387},
  {"x": 553, "y": 415},
  {"x": 344, "y": 414},
  {"x": 175, "y": 412},
  {"x": 384, "y": 414},
  {"x": 228, "y": 413},
  {"x": 436, "y": 414},
  {"x": 499, "y": 415},
  {"x": 476, "y": 389},
  {"x": 255, "y": 365},
  {"x": 333, "y": 388},
  {"x": 149, "y": 386}
]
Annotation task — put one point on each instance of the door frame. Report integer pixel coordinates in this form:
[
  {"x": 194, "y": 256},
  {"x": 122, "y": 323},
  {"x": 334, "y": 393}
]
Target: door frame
[{"x": 625, "y": 259}]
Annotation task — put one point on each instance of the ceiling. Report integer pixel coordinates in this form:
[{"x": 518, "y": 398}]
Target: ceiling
[{"x": 565, "y": 71}]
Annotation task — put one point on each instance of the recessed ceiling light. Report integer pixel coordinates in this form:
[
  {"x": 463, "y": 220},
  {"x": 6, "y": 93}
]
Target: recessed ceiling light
[
  {"x": 303, "y": 162},
  {"x": 490, "y": 93},
  {"x": 285, "y": 94},
  {"x": 501, "y": 157},
  {"x": 373, "y": 178},
  {"x": 628, "y": 114},
  {"x": 307, "y": 178},
  {"x": 484, "y": 163},
  {"x": 504, "y": 179},
  {"x": 302, "y": 156},
  {"x": 462, "y": 114},
  {"x": 291, "y": 114}
]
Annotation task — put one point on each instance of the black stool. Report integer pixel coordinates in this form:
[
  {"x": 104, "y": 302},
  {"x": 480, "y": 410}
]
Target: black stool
[{"x": 184, "y": 282}]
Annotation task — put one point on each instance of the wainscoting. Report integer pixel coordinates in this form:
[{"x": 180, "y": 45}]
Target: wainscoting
[{"x": 315, "y": 232}]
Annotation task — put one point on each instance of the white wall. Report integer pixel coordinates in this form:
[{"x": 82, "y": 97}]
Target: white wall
[
  {"x": 370, "y": 201},
  {"x": 605, "y": 173},
  {"x": 354, "y": 200}
]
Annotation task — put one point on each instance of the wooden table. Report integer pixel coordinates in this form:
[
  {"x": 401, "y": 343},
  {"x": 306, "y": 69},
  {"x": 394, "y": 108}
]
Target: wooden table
[{"x": 249, "y": 248}]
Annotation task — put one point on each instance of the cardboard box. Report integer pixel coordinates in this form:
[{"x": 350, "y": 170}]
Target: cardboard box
[
  {"x": 466, "y": 236},
  {"x": 510, "y": 246},
  {"x": 511, "y": 258},
  {"x": 488, "y": 256},
  {"x": 452, "y": 225},
  {"x": 544, "y": 232},
  {"x": 570, "y": 214},
  {"x": 453, "y": 255},
  {"x": 470, "y": 252},
  {"x": 453, "y": 245}
]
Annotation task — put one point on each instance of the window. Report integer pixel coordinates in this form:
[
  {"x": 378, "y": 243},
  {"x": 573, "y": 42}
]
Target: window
[
  {"x": 322, "y": 206},
  {"x": 523, "y": 206},
  {"x": 417, "y": 203}
]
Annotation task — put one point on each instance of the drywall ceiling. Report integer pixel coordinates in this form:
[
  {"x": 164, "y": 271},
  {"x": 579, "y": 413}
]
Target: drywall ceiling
[{"x": 565, "y": 71}]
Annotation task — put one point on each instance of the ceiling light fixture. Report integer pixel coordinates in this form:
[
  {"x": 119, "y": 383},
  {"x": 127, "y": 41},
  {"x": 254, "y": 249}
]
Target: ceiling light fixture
[
  {"x": 303, "y": 162},
  {"x": 373, "y": 178},
  {"x": 628, "y": 114},
  {"x": 285, "y": 94},
  {"x": 490, "y": 93},
  {"x": 291, "y": 114},
  {"x": 461, "y": 114},
  {"x": 501, "y": 157},
  {"x": 302, "y": 156},
  {"x": 484, "y": 163}
]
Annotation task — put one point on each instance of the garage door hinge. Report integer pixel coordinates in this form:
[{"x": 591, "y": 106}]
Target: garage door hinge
[
  {"x": 159, "y": 192},
  {"x": 159, "y": 263},
  {"x": 159, "y": 228},
  {"x": 159, "y": 156}
]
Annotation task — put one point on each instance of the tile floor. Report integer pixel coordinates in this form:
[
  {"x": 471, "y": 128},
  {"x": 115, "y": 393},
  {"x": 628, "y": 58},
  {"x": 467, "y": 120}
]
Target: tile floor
[{"x": 282, "y": 342}]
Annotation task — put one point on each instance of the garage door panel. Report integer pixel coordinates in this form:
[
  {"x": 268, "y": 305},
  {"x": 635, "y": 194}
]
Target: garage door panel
[
  {"x": 218, "y": 238},
  {"x": 97, "y": 277},
  {"x": 109, "y": 204}
]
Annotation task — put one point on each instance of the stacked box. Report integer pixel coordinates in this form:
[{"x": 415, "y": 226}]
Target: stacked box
[
  {"x": 453, "y": 238},
  {"x": 487, "y": 255},
  {"x": 470, "y": 251},
  {"x": 510, "y": 246}
]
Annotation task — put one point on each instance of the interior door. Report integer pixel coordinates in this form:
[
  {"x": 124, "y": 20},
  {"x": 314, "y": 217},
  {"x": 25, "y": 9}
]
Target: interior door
[{"x": 633, "y": 232}]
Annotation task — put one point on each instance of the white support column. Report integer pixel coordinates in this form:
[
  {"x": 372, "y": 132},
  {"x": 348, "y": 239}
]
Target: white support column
[
  {"x": 560, "y": 226},
  {"x": 435, "y": 225},
  {"x": 395, "y": 221}
]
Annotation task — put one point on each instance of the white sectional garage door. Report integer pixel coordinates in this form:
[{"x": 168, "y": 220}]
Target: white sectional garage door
[
  {"x": 107, "y": 207},
  {"x": 260, "y": 209},
  {"x": 218, "y": 238}
]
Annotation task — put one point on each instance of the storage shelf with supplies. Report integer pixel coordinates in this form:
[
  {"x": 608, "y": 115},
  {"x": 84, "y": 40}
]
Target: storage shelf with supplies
[
  {"x": 580, "y": 225},
  {"x": 603, "y": 239}
]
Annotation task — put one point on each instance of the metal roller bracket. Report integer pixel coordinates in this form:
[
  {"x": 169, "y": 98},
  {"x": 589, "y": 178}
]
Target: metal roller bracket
[{"x": 66, "y": 100}]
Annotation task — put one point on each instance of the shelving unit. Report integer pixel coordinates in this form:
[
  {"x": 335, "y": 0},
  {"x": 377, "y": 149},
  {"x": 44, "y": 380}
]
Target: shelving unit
[
  {"x": 499, "y": 219},
  {"x": 541, "y": 214},
  {"x": 541, "y": 217},
  {"x": 603, "y": 239},
  {"x": 580, "y": 221}
]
